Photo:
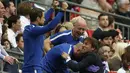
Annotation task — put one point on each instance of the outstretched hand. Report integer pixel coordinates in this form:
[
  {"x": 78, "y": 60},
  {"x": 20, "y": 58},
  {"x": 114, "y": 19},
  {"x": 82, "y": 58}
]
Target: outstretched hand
[{"x": 55, "y": 3}]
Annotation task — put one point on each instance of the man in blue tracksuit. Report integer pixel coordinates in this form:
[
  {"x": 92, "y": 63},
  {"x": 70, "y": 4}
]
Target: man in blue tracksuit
[
  {"x": 53, "y": 61},
  {"x": 33, "y": 39}
]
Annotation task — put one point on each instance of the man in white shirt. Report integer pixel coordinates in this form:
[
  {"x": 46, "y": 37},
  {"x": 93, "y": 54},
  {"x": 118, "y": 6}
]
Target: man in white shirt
[{"x": 14, "y": 27}]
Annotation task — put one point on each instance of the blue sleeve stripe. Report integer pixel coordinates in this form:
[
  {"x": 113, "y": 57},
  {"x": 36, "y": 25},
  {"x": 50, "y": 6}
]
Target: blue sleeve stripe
[{"x": 63, "y": 34}]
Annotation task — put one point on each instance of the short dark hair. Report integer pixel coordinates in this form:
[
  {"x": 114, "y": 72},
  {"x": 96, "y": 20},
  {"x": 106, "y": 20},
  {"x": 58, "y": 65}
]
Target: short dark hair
[
  {"x": 95, "y": 43},
  {"x": 102, "y": 14},
  {"x": 13, "y": 19},
  {"x": 18, "y": 37},
  {"x": 113, "y": 33},
  {"x": 111, "y": 19},
  {"x": 35, "y": 12},
  {"x": 6, "y": 3}
]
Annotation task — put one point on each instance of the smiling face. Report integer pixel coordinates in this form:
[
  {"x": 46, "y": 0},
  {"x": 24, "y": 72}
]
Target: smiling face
[
  {"x": 78, "y": 29},
  {"x": 85, "y": 47},
  {"x": 105, "y": 52}
]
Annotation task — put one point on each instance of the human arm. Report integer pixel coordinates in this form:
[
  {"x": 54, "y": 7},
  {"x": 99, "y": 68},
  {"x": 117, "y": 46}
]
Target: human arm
[
  {"x": 105, "y": 5},
  {"x": 47, "y": 44},
  {"x": 55, "y": 39},
  {"x": 51, "y": 10},
  {"x": 4, "y": 56},
  {"x": 38, "y": 30},
  {"x": 78, "y": 66}
]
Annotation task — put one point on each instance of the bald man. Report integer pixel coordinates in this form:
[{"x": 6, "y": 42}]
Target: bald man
[{"x": 70, "y": 36}]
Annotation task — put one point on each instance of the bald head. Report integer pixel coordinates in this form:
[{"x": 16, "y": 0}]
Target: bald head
[{"x": 80, "y": 22}]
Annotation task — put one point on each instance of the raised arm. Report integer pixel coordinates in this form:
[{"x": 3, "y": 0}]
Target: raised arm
[
  {"x": 43, "y": 29},
  {"x": 78, "y": 66}
]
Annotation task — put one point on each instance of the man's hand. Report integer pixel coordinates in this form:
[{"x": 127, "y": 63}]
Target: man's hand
[
  {"x": 9, "y": 59},
  {"x": 64, "y": 6},
  {"x": 65, "y": 55},
  {"x": 55, "y": 3}
]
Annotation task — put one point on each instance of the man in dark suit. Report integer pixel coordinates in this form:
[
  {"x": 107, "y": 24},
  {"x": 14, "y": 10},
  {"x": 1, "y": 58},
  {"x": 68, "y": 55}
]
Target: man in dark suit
[{"x": 103, "y": 24}]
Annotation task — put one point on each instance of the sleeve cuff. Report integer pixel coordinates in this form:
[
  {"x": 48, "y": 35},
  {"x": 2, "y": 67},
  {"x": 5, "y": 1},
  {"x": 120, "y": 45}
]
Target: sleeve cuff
[{"x": 68, "y": 59}]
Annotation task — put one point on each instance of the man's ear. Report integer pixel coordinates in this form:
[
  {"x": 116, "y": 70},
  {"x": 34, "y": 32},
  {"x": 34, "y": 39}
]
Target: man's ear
[
  {"x": 7, "y": 9},
  {"x": 38, "y": 19}
]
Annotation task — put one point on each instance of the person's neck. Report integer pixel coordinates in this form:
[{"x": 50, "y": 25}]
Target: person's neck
[
  {"x": 36, "y": 23},
  {"x": 76, "y": 53},
  {"x": 7, "y": 14},
  {"x": 103, "y": 28},
  {"x": 73, "y": 35},
  {"x": 13, "y": 30}
]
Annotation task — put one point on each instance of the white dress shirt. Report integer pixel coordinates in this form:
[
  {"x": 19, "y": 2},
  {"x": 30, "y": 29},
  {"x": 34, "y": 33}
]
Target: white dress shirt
[
  {"x": 24, "y": 22},
  {"x": 11, "y": 37}
]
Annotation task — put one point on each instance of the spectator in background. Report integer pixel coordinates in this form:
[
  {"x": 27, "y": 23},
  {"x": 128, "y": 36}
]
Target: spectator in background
[
  {"x": 120, "y": 48},
  {"x": 5, "y": 57},
  {"x": 106, "y": 38},
  {"x": 106, "y": 5},
  {"x": 104, "y": 52},
  {"x": 123, "y": 10},
  {"x": 19, "y": 49},
  {"x": 125, "y": 61},
  {"x": 20, "y": 44},
  {"x": 24, "y": 10},
  {"x": 10, "y": 9},
  {"x": 111, "y": 22},
  {"x": 14, "y": 26},
  {"x": 2, "y": 11},
  {"x": 103, "y": 25},
  {"x": 6, "y": 43}
]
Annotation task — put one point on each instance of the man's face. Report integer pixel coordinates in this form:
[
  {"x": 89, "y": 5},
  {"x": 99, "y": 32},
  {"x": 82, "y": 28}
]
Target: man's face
[
  {"x": 12, "y": 8},
  {"x": 103, "y": 21},
  {"x": 107, "y": 41},
  {"x": 2, "y": 10},
  {"x": 41, "y": 20},
  {"x": 86, "y": 47},
  {"x": 79, "y": 30},
  {"x": 125, "y": 6},
  {"x": 17, "y": 26},
  {"x": 105, "y": 52}
]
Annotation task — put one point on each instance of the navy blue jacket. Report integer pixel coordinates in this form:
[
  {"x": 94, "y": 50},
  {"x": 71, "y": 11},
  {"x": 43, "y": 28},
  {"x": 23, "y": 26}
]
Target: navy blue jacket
[{"x": 33, "y": 41}]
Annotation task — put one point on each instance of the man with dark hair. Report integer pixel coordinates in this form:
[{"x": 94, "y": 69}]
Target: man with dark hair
[
  {"x": 111, "y": 24},
  {"x": 53, "y": 62},
  {"x": 103, "y": 24},
  {"x": 14, "y": 26},
  {"x": 34, "y": 36},
  {"x": 10, "y": 9}
]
